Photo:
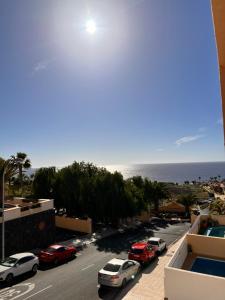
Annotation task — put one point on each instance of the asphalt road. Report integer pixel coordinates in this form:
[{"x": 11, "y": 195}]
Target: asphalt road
[{"x": 77, "y": 279}]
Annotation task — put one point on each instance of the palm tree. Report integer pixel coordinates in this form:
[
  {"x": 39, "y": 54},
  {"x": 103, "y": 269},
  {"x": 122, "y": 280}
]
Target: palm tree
[
  {"x": 159, "y": 192},
  {"x": 187, "y": 200},
  {"x": 10, "y": 169},
  {"x": 22, "y": 162}
]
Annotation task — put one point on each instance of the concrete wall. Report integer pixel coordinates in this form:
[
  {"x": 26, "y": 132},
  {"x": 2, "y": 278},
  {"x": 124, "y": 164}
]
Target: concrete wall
[
  {"x": 195, "y": 221},
  {"x": 179, "y": 257},
  {"x": 74, "y": 224},
  {"x": 220, "y": 219},
  {"x": 196, "y": 224},
  {"x": 185, "y": 285},
  {"x": 207, "y": 246}
]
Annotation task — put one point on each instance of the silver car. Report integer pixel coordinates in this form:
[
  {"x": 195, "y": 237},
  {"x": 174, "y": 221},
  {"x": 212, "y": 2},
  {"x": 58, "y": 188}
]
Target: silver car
[{"x": 117, "y": 272}]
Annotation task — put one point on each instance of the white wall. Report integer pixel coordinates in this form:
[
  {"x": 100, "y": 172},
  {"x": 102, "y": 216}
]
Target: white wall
[
  {"x": 185, "y": 285},
  {"x": 196, "y": 225},
  {"x": 179, "y": 256},
  {"x": 15, "y": 212}
]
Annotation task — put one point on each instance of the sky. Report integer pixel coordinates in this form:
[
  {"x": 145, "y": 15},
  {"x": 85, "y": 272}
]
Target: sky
[{"x": 142, "y": 88}]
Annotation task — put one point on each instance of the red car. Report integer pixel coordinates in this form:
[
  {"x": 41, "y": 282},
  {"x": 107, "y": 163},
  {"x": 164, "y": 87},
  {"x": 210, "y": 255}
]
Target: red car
[
  {"x": 56, "y": 253},
  {"x": 142, "y": 252}
]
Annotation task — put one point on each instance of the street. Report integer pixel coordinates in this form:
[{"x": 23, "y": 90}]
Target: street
[{"x": 77, "y": 279}]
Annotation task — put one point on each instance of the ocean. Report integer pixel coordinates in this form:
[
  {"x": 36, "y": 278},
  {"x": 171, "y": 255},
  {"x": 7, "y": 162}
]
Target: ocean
[{"x": 172, "y": 172}]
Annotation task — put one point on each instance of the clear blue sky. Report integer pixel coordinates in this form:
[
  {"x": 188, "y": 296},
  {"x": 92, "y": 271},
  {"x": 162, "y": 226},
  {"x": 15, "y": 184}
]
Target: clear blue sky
[{"x": 143, "y": 88}]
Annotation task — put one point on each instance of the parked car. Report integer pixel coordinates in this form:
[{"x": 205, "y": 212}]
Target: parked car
[
  {"x": 117, "y": 272},
  {"x": 142, "y": 252},
  {"x": 16, "y": 265},
  {"x": 159, "y": 244},
  {"x": 57, "y": 253}
]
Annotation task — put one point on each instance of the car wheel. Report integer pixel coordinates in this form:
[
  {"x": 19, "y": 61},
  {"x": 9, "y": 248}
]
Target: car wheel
[
  {"x": 124, "y": 282},
  {"x": 9, "y": 279},
  {"x": 34, "y": 269},
  {"x": 56, "y": 262}
]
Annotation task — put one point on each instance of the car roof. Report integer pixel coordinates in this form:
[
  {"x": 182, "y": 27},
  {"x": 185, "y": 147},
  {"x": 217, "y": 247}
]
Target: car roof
[
  {"x": 117, "y": 261},
  {"x": 21, "y": 255},
  {"x": 155, "y": 239},
  {"x": 140, "y": 245},
  {"x": 56, "y": 246}
]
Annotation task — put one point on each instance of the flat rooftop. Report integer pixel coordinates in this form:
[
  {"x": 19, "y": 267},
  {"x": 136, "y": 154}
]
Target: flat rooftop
[{"x": 21, "y": 207}]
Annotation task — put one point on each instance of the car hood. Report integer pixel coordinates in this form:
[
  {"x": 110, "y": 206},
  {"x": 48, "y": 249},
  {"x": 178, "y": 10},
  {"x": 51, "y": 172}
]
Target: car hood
[{"x": 3, "y": 268}]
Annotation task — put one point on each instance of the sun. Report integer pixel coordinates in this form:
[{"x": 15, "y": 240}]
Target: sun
[{"x": 90, "y": 26}]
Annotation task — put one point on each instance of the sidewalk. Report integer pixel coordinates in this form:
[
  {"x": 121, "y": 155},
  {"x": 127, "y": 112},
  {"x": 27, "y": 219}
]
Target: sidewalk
[{"x": 151, "y": 283}]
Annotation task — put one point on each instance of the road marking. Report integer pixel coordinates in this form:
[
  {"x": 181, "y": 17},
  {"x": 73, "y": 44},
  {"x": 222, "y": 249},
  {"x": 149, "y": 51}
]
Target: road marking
[
  {"x": 14, "y": 293},
  {"x": 48, "y": 287},
  {"x": 87, "y": 267}
]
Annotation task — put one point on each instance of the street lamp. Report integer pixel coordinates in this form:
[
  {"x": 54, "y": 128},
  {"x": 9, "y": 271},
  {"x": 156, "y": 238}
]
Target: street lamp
[
  {"x": 3, "y": 217},
  {"x": 5, "y": 166}
]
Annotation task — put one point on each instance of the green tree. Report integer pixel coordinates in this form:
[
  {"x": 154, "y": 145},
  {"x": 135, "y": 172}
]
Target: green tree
[
  {"x": 10, "y": 169},
  {"x": 159, "y": 193},
  {"x": 187, "y": 200},
  {"x": 23, "y": 163},
  {"x": 43, "y": 182}
]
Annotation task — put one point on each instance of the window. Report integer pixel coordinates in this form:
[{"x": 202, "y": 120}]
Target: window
[
  {"x": 111, "y": 268},
  {"x": 25, "y": 259},
  {"x": 125, "y": 266},
  {"x": 130, "y": 264},
  {"x": 155, "y": 243},
  {"x": 8, "y": 262},
  {"x": 137, "y": 251},
  {"x": 61, "y": 249}
]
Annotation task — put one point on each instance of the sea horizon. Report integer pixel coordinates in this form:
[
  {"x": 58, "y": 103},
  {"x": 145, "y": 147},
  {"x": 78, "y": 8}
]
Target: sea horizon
[{"x": 167, "y": 172}]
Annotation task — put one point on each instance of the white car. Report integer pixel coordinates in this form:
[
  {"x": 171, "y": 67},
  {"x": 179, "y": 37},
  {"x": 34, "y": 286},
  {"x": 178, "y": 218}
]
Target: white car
[
  {"x": 18, "y": 264},
  {"x": 158, "y": 243},
  {"x": 117, "y": 272}
]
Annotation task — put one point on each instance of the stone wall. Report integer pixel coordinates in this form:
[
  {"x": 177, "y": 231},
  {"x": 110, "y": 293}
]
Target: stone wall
[
  {"x": 30, "y": 232},
  {"x": 75, "y": 224}
]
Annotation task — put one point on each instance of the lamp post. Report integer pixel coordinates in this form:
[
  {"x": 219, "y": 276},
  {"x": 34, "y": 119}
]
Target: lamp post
[
  {"x": 5, "y": 166},
  {"x": 3, "y": 217}
]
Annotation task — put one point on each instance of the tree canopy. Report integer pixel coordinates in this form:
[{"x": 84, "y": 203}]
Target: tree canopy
[{"x": 82, "y": 189}]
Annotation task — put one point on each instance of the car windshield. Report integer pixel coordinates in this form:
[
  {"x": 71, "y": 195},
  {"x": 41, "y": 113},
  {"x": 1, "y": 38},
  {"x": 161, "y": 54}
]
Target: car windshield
[
  {"x": 112, "y": 268},
  {"x": 50, "y": 250},
  {"x": 136, "y": 251},
  {"x": 8, "y": 262},
  {"x": 153, "y": 243}
]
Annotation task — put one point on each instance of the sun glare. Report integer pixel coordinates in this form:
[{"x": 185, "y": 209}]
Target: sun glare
[{"x": 90, "y": 26}]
